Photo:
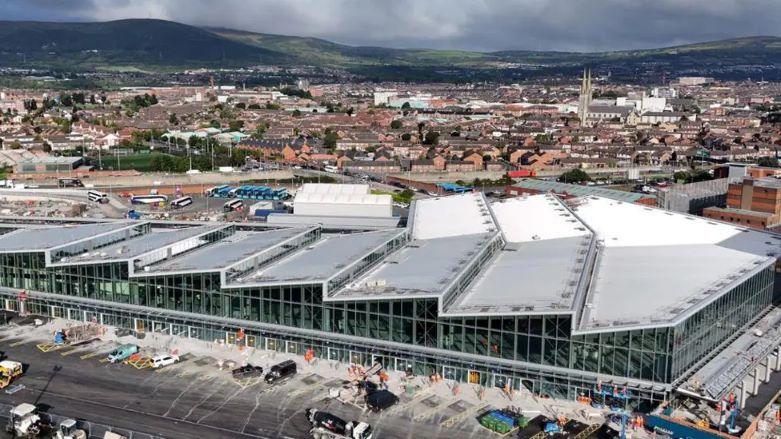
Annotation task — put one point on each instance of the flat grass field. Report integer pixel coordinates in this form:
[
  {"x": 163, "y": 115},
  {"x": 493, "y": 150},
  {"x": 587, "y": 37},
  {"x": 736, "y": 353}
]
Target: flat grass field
[{"x": 139, "y": 162}]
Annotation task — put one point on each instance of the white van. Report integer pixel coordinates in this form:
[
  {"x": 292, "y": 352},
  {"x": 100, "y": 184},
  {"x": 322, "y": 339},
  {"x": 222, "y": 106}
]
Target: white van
[{"x": 164, "y": 360}]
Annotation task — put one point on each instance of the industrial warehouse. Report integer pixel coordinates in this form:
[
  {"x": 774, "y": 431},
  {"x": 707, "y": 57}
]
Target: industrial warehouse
[{"x": 594, "y": 298}]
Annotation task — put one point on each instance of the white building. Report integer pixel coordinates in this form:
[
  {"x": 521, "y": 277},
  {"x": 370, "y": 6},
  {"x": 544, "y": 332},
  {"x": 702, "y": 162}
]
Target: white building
[
  {"x": 383, "y": 97},
  {"x": 649, "y": 103},
  {"x": 343, "y": 200}
]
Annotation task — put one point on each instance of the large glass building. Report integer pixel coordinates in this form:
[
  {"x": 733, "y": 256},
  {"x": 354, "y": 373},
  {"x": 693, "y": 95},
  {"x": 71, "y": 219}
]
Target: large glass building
[{"x": 563, "y": 300}]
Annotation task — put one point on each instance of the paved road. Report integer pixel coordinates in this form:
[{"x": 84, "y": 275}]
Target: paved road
[{"x": 190, "y": 399}]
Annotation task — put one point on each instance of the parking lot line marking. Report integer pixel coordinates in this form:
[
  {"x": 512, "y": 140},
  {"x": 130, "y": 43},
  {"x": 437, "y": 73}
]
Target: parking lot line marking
[
  {"x": 19, "y": 343},
  {"x": 89, "y": 355},
  {"x": 103, "y": 360},
  {"x": 66, "y": 353}
]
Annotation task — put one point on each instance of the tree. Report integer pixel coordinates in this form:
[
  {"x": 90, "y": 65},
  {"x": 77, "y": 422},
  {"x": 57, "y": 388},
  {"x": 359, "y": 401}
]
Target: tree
[
  {"x": 405, "y": 106},
  {"x": 768, "y": 162},
  {"x": 296, "y": 92},
  {"x": 296, "y": 113},
  {"x": 574, "y": 176},
  {"x": 235, "y": 125},
  {"x": 172, "y": 119},
  {"x": 254, "y": 107},
  {"x": 66, "y": 100},
  {"x": 396, "y": 124},
  {"x": 431, "y": 138},
  {"x": 406, "y": 137},
  {"x": 330, "y": 139},
  {"x": 241, "y": 105},
  {"x": 260, "y": 130}
]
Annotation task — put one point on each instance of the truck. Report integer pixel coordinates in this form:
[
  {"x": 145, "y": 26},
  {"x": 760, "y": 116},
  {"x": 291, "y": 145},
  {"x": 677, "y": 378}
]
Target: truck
[
  {"x": 248, "y": 371},
  {"x": 9, "y": 371},
  {"x": 24, "y": 421},
  {"x": 327, "y": 425},
  {"x": 281, "y": 371},
  {"x": 379, "y": 400},
  {"x": 122, "y": 353},
  {"x": 69, "y": 429}
]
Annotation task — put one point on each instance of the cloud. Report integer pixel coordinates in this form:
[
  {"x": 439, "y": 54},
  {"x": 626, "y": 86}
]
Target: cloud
[{"x": 572, "y": 25}]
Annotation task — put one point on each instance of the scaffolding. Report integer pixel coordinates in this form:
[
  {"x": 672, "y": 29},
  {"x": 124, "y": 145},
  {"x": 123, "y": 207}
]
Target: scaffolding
[{"x": 694, "y": 197}]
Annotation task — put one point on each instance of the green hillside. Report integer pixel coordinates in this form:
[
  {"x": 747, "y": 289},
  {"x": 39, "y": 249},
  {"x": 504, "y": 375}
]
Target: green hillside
[{"x": 142, "y": 45}]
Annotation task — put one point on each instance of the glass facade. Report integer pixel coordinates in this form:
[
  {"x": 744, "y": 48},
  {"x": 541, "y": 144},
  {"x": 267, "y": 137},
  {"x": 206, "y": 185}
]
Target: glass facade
[{"x": 539, "y": 352}]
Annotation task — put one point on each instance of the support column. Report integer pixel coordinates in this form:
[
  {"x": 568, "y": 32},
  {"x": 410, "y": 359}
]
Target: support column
[
  {"x": 742, "y": 396},
  {"x": 755, "y": 388},
  {"x": 778, "y": 359},
  {"x": 767, "y": 370}
]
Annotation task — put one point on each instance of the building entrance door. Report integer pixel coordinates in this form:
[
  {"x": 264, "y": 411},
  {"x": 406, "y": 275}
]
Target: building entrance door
[
  {"x": 378, "y": 359},
  {"x": 356, "y": 358},
  {"x": 449, "y": 373},
  {"x": 271, "y": 344},
  {"x": 334, "y": 354},
  {"x": 251, "y": 341},
  {"x": 501, "y": 381},
  {"x": 474, "y": 377}
]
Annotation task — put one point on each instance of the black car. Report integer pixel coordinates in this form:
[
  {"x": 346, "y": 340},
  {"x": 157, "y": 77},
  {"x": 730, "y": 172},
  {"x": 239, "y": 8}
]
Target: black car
[
  {"x": 281, "y": 371},
  {"x": 248, "y": 371},
  {"x": 380, "y": 400}
]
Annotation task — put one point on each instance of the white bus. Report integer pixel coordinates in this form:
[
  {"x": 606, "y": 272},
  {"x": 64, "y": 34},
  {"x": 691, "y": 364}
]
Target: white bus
[
  {"x": 181, "y": 202},
  {"x": 232, "y": 205},
  {"x": 98, "y": 197},
  {"x": 148, "y": 199},
  {"x": 331, "y": 169}
]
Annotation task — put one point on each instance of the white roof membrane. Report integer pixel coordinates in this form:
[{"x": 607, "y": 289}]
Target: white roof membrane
[{"x": 454, "y": 215}]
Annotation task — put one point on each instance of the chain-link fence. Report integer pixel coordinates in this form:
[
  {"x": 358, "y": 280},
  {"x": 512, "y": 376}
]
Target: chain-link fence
[{"x": 92, "y": 429}]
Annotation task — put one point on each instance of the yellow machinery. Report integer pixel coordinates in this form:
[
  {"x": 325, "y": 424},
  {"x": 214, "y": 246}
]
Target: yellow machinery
[{"x": 9, "y": 371}]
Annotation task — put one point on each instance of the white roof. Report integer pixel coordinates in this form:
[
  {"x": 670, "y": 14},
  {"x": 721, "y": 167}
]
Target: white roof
[
  {"x": 454, "y": 215},
  {"x": 622, "y": 224},
  {"x": 531, "y": 277},
  {"x": 333, "y": 188},
  {"x": 655, "y": 266},
  {"x": 423, "y": 267},
  {"x": 341, "y": 198},
  {"x": 537, "y": 217},
  {"x": 656, "y": 284}
]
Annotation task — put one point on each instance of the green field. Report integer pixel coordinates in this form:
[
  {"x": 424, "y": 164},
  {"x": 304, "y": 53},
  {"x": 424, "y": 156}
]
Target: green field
[{"x": 139, "y": 162}]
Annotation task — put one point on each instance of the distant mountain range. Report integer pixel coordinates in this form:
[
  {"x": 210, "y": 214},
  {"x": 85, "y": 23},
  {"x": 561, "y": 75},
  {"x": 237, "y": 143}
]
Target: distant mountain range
[{"x": 158, "y": 45}]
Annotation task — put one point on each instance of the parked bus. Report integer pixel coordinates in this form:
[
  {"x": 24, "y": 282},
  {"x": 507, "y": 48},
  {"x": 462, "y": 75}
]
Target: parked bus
[
  {"x": 98, "y": 197},
  {"x": 215, "y": 191},
  {"x": 181, "y": 202},
  {"x": 148, "y": 199},
  {"x": 70, "y": 182},
  {"x": 331, "y": 169},
  {"x": 232, "y": 205}
]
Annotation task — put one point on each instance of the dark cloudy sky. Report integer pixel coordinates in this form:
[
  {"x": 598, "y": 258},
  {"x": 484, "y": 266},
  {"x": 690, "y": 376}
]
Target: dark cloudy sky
[{"x": 579, "y": 25}]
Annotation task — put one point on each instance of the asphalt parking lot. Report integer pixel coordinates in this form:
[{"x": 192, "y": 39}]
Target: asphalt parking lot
[{"x": 194, "y": 398}]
